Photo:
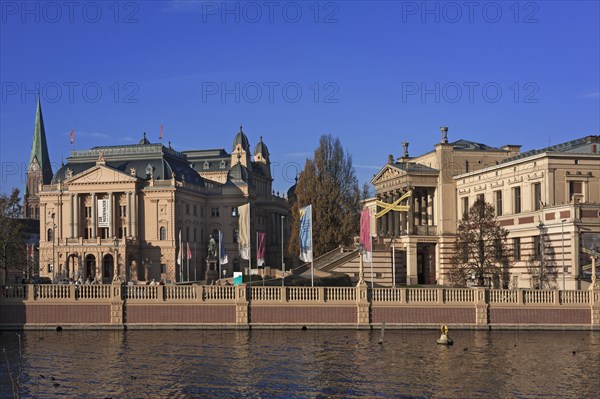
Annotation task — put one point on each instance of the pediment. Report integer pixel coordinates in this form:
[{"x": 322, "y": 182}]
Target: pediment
[
  {"x": 386, "y": 173},
  {"x": 100, "y": 174}
]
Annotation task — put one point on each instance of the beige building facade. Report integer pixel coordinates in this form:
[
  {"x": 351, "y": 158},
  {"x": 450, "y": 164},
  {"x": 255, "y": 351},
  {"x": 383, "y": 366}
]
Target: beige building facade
[
  {"x": 558, "y": 189},
  {"x": 147, "y": 212}
]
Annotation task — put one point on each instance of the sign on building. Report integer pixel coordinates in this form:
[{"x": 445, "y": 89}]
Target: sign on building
[{"x": 103, "y": 213}]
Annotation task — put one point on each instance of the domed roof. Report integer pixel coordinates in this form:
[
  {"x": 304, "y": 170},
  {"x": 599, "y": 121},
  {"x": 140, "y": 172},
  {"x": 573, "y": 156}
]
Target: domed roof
[
  {"x": 144, "y": 140},
  {"x": 237, "y": 172},
  {"x": 241, "y": 139},
  {"x": 291, "y": 193},
  {"x": 261, "y": 148}
]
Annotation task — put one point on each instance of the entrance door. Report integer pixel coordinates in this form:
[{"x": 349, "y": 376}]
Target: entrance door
[
  {"x": 426, "y": 264},
  {"x": 107, "y": 269},
  {"x": 90, "y": 267}
]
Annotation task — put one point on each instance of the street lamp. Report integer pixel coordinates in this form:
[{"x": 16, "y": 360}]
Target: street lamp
[
  {"x": 541, "y": 227},
  {"x": 282, "y": 262},
  {"x": 361, "y": 274},
  {"x": 562, "y": 226},
  {"x": 116, "y": 261},
  {"x": 53, "y": 258}
]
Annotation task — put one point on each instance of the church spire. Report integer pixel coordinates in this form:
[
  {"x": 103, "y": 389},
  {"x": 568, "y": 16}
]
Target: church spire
[{"x": 39, "y": 147}]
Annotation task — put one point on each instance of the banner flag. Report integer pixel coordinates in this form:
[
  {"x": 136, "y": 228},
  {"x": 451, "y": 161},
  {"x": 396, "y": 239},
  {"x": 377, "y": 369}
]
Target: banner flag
[
  {"x": 261, "y": 237},
  {"x": 244, "y": 229},
  {"x": 365, "y": 234},
  {"x": 189, "y": 251},
  {"x": 306, "y": 245},
  {"x": 72, "y": 136},
  {"x": 222, "y": 252},
  {"x": 179, "y": 254}
]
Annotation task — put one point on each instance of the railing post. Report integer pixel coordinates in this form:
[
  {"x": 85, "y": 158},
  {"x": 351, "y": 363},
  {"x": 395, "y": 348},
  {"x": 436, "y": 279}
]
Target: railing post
[
  {"x": 160, "y": 293},
  {"x": 116, "y": 303},
  {"x": 242, "y": 305},
  {"x": 321, "y": 294},
  {"x": 72, "y": 292},
  {"x": 440, "y": 295},
  {"x": 362, "y": 303},
  {"x": 595, "y": 303},
  {"x": 30, "y": 292},
  {"x": 481, "y": 306},
  {"x": 282, "y": 296}
]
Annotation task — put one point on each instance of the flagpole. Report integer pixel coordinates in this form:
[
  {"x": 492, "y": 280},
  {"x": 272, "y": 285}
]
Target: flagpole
[
  {"x": 250, "y": 243},
  {"x": 180, "y": 259},
  {"x": 187, "y": 247},
  {"x": 195, "y": 261},
  {"x": 393, "y": 264},
  {"x": 220, "y": 239},
  {"x": 312, "y": 263},
  {"x": 371, "y": 246}
]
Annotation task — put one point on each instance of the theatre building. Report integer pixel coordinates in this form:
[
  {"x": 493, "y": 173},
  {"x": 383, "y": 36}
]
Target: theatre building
[{"x": 147, "y": 211}]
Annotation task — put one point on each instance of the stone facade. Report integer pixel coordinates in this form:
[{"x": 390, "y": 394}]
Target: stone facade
[{"x": 136, "y": 203}]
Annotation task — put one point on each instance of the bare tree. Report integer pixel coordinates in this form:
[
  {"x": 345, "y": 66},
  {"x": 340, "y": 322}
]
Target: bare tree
[
  {"x": 480, "y": 249},
  {"x": 541, "y": 265},
  {"x": 12, "y": 235}
]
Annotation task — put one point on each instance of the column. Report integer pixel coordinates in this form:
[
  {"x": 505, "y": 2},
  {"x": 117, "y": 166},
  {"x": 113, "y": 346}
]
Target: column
[
  {"x": 392, "y": 214},
  {"x": 72, "y": 235},
  {"x": 397, "y": 216},
  {"x": 128, "y": 203},
  {"x": 430, "y": 207},
  {"x": 411, "y": 215},
  {"x": 411, "y": 263},
  {"x": 385, "y": 218},
  {"x": 134, "y": 214},
  {"x": 424, "y": 205},
  {"x": 93, "y": 215},
  {"x": 111, "y": 220},
  {"x": 403, "y": 220},
  {"x": 378, "y": 220},
  {"x": 76, "y": 221}
]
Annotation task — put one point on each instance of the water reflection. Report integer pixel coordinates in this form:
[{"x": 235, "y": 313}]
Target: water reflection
[{"x": 300, "y": 364}]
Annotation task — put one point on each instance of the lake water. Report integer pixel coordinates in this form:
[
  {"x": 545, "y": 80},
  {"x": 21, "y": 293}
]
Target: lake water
[{"x": 300, "y": 364}]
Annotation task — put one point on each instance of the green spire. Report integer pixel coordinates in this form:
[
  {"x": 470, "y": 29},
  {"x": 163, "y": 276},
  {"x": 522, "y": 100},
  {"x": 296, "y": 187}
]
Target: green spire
[{"x": 39, "y": 147}]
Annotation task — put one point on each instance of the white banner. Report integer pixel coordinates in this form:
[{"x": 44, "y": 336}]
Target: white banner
[{"x": 103, "y": 213}]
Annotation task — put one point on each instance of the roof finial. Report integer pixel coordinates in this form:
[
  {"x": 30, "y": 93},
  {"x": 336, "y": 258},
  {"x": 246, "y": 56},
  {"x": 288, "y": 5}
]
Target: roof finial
[
  {"x": 170, "y": 144},
  {"x": 241, "y": 128},
  {"x": 144, "y": 134},
  {"x": 296, "y": 179},
  {"x": 261, "y": 139}
]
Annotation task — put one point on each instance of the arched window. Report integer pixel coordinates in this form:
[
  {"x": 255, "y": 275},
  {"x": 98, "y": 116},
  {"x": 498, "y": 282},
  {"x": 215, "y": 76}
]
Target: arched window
[
  {"x": 163, "y": 233},
  {"x": 49, "y": 234}
]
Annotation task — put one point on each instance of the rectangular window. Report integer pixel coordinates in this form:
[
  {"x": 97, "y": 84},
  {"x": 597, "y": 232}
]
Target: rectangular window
[
  {"x": 187, "y": 209},
  {"x": 214, "y": 212},
  {"x": 86, "y": 233},
  {"x": 465, "y": 204},
  {"x": 123, "y": 211},
  {"x": 88, "y": 211},
  {"x": 537, "y": 196},
  {"x": 498, "y": 203},
  {"x": 163, "y": 268},
  {"x": 517, "y": 249},
  {"x": 235, "y": 235},
  {"x": 480, "y": 197},
  {"x": 195, "y": 210},
  {"x": 517, "y": 200}
]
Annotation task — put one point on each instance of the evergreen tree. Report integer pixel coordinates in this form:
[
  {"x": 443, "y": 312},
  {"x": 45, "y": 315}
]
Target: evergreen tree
[
  {"x": 329, "y": 184},
  {"x": 12, "y": 235},
  {"x": 480, "y": 248}
]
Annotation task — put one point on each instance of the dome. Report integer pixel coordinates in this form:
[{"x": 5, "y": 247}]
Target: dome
[
  {"x": 241, "y": 139},
  {"x": 144, "y": 140},
  {"x": 238, "y": 172},
  {"x": 261, "y": 148}
]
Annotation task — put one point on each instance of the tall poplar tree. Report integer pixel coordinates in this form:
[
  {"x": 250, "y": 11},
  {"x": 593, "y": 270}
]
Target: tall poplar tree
[{"x": 328, "y": 183}]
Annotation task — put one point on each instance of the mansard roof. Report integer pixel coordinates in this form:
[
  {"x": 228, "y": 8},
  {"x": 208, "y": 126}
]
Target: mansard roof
[{"x": 583, "y": 145}]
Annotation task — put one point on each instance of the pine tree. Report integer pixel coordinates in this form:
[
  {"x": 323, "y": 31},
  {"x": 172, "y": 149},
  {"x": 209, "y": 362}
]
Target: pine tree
[
  {"x": 480, "y": 248},
  {"x": 328, "y": 183}
]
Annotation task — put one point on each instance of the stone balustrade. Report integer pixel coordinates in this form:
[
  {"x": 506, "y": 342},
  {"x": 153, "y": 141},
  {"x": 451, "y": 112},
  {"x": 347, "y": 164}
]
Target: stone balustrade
[{"x": 327, "y": 306}]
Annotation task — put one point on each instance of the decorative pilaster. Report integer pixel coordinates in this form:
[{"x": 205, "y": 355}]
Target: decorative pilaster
[
  {"x": 116, "y": 303},
  {"x": 481, "y": 307},
  {"x": 241, "y": 305},
  {"x": 362, "y": 304}
]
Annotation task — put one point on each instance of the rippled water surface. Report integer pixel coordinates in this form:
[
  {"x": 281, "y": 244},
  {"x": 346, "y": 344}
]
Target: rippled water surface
[{"x": 299, "y": 364}]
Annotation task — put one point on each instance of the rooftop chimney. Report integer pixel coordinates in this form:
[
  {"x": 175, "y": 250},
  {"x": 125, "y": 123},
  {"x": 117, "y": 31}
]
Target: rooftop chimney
[
  {"x": 444, "y": 130},
  {"x": 405, "y": 149},
  {"x": 390, "y": 159}
]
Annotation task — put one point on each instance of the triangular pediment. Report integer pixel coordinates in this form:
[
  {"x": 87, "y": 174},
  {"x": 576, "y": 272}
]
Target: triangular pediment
[
  {"x": 386, "y": 173},
  {"x": 101, "y": 174}
]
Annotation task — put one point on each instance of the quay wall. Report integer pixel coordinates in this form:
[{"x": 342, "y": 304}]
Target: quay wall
[{"x": 119, "y": 306}]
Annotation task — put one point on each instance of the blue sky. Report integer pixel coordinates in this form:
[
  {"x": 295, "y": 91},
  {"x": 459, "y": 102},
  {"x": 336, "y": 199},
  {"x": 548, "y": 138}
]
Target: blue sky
[{"x": 373, "y": 74}]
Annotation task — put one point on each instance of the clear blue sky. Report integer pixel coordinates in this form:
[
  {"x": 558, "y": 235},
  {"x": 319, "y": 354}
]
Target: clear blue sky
[{"x": 373, "y": 74}]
